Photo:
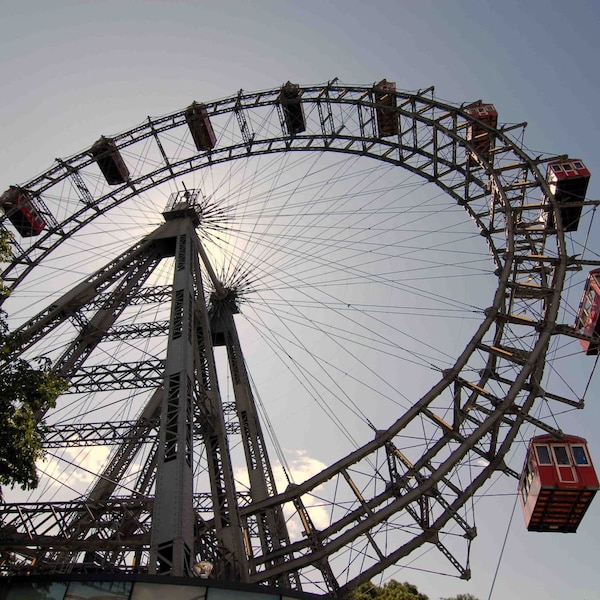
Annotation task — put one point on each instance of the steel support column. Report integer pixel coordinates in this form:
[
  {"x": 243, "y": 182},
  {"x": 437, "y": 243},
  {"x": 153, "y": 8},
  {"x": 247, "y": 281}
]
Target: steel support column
[
  {"x": 270, "y": 524},
  {"x": 172, "y": 542}
]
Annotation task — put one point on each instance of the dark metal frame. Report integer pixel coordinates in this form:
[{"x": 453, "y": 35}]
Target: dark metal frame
[{"x": 501, "y": 195}]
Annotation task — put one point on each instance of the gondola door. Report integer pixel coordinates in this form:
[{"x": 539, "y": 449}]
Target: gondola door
[{"x": 563, "y": 464}]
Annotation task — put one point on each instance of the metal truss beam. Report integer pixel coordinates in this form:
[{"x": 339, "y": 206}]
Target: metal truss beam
[
  {"x": 117, "y": 376},
  {"x": 137, "y": 330},
  {"x": 48, "y": 525},
  {"x": 147, "y": 295},
  {"x": 108, "y": 433},
  {"x": 94, "y": 330},
  {"x": 134, "y": 265}
]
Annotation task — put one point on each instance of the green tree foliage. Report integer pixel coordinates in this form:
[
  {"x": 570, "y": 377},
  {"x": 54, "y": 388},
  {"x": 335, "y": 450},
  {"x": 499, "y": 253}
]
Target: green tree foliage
[
  {"x": 5, "y": 256},
  {"x": 25, "y": 391},
  {"x": 392, "y": 590}
]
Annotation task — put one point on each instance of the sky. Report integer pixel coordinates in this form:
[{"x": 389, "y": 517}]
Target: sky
[{"x": 71, "y": 71}]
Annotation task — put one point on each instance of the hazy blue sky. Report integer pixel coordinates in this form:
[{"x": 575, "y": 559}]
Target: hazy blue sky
[{"x": 72, "y": 70}]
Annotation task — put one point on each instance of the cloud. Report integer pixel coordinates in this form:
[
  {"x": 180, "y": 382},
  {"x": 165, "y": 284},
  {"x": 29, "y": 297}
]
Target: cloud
[
  {"x": 301, "y": 467},
  {"x": 73, "y": 469}
]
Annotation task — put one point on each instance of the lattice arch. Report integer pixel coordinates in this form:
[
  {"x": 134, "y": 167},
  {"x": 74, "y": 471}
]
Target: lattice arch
[{"x": 383, "y": 500}]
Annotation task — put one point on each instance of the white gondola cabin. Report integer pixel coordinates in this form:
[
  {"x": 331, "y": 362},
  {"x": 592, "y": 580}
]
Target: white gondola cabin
[
  {"x": 558, "y": 483},
  {"x": 568, "y": 180},
  {"x": 481, "y": 139},
  {"x": 109, "y": 160},
  {"x": 19, "y": 206}
]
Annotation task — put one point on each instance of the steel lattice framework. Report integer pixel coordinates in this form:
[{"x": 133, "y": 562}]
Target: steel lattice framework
[{"x": 384, "y": 501}]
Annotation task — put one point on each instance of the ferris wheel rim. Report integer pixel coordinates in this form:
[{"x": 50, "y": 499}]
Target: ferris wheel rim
[
  {"x": 504, "y": 259},
  {"x": 153, "y": 126},
  {"x": 268, "y": 97}
]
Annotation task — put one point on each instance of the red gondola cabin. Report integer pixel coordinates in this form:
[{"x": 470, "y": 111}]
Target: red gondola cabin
[
  {"x": 19, "y": 206},
  {"x": 558, "y": 483},
  {"x": 588, "y": 315},
  {"x": 109, "y": 159},
  {"x": 481, "y": 139},
  {"x": 290, "y": 100},
  {"x": 385, "y": 108},
  {"x": 568, "y": 180},
  {"x": 198, "y": 121}
]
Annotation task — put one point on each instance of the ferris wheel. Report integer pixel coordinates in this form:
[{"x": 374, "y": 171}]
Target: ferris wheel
[{"x": 302, "y": 328}]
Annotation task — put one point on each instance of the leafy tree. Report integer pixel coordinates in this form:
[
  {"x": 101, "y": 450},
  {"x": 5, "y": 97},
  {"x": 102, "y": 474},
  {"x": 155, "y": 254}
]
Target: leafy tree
[
  {"x": 5, "y": 256},
  {"x": 392, "y": 590},
  {"x": 25, "y": 391}
]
